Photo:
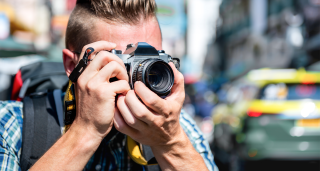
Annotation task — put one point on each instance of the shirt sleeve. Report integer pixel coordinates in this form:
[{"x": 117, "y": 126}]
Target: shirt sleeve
[
  {"x": 10, "y": 135},
  {"x": 198, "y": 141}
]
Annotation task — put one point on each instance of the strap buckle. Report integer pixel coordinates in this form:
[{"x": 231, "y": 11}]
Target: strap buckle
[{"x": 70, "y": 112}]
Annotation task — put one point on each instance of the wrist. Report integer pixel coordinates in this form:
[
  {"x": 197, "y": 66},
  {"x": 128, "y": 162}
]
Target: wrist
[
  {"x": 90, "y": 129},
  {"x": 71, "y": 152},
  {"x": 175, "y": 146},
  {"x": 84, "y": 137},
  {"x": 179, "y": 155}
]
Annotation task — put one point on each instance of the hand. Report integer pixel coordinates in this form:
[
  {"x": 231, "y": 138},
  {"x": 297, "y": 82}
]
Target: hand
[
  {"x": 155, "y": 122},
  {"x": 95, "y": 95},
  {"x": 95, "y": 102}
]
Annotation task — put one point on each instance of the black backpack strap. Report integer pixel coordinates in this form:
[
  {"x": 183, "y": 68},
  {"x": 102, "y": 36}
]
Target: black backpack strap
[
  {"x": 27, "y": 133},
  {"x": 59, "y": 108},
  {"x": 40, "y": 128}
]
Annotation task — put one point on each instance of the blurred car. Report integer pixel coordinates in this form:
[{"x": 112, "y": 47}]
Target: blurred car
[{"x": 282, "y": 122}]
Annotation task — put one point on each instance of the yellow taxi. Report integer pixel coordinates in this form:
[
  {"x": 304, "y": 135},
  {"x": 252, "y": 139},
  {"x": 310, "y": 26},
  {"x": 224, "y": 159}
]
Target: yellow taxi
[{"x": 282, "y": 121}]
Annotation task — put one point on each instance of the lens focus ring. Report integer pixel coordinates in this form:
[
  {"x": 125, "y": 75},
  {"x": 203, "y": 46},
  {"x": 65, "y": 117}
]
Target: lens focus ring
[{"x": 156, "y": 74}]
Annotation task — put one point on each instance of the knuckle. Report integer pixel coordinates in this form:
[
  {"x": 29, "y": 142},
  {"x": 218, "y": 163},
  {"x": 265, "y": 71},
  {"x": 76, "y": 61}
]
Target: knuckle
[
  {"x": 167, "y": 112},
  {"x": 124, "y": 84},
  {"x": 101, "y": 92},
  {"x": 141, "y": 115},
  {"x": 104, "y": 55},
  {"x": 151, "y": 101},
  {"x": 129, "y": 95},
  {"x": 89, "y": 86},
  {"x": 81, "y": 82},
  {"x": 113, "y": 64},
  {"x": 131, "y": 122},
  {"x": 158, "y": 123}
]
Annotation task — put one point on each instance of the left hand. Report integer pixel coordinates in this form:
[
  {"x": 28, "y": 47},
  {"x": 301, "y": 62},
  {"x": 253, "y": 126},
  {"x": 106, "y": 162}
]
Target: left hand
[{"x": 155, "y": 122}]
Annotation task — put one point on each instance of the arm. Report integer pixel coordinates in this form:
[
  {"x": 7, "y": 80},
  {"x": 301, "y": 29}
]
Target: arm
[
  {"x": 71, "y": 152},
  {"x": 95, "y": 102},
  {"x": 197, "y": 139},
  {"x": 158, "y": 119},
  {"x": 179, "y": 156},
  {"x": 10, "y": 134}
]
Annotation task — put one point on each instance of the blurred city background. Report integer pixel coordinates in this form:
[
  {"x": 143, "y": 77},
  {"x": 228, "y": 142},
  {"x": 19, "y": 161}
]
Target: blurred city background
[{"x": 251, "y": 67}]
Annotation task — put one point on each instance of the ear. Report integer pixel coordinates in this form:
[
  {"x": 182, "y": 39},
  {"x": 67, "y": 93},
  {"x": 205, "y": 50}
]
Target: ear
[{"x": 70, "y": 61}]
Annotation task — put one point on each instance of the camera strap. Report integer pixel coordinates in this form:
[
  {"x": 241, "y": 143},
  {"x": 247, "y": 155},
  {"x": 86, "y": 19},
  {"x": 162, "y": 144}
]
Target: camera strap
[
  {"x": 81, "y": 66},
  {"x": 69, "y": 106},
  {"x": 140, "y": 154}
]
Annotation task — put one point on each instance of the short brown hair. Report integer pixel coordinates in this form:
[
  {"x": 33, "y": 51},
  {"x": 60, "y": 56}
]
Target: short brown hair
[{"x": 81, "y": 22}]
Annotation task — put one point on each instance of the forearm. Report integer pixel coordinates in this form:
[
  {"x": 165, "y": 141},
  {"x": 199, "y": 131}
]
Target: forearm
[
  {"x": 71, "y": 152},
  {"x": 180, "y": 155}
]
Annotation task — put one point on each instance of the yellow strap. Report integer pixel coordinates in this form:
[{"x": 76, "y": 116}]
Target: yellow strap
[
  {"x": 68, "y": 97},
  {"x": 135, "y": 152}
]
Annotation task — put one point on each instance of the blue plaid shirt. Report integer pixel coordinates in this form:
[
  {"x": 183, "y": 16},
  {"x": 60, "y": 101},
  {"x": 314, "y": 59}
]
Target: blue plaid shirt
[{"x": 112, "y": 154}]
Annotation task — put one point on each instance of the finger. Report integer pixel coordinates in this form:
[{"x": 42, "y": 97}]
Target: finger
[
  {"x": 102, "y": 59},
  {"x": 177, "y": 90},
  {"x": 112, "y": 69},
  {"x": 138, "y": 109},
  {"x": 150, "y": 99},
  {"x": 98, "y": 46},
  {"x": 128, "y": 116},
  {"x": 122, "y": 126},
  {"x": 119, "y": 87}
]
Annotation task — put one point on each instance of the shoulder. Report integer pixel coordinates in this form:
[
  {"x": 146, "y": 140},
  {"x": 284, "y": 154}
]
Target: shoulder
[
  {"x": 11, "y": 126},
  {"x": 10, "y": 110},
  {"x": 197, "y": 139}
]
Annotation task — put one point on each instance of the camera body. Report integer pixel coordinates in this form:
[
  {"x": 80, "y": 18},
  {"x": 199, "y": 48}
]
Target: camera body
[{"x": 146, "y": 64}]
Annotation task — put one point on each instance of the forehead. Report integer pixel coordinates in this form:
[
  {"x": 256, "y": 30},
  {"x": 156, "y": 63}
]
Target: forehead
[{"x": 123, "y": 34}]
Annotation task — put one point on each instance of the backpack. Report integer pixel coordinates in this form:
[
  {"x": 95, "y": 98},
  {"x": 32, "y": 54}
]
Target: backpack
[{"x": 40, "y": 86}]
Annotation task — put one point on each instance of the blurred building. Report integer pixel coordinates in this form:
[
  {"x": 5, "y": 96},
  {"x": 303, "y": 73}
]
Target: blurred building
[
  {"x": 201, "y": 30},
  {"x": 30, "y": 30},
  {"x": 254, "y": 34}
]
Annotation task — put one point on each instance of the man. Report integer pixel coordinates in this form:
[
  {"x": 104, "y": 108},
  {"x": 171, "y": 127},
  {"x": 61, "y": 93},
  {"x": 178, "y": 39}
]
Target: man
[{"x": 152, "y": 121}]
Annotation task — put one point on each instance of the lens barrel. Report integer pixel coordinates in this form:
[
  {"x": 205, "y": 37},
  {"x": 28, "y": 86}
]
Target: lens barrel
[{"x": 156, "y": 74}]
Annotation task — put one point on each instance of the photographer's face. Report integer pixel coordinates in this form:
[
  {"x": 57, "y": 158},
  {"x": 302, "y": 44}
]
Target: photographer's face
[
  {"x": 121, "y": 34},
  {"x": 147, "y": 31}
]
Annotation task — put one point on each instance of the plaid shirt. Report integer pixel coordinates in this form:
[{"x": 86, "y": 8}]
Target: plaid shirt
[{"x": 111, "y": 155}]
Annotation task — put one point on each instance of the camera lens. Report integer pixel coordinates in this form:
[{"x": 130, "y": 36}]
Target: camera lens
[{"x": 156, "y": 74}]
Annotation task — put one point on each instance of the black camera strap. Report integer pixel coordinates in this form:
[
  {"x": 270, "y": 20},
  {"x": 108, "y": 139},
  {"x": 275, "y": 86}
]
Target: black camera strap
[{"x": 81, "y": 66}]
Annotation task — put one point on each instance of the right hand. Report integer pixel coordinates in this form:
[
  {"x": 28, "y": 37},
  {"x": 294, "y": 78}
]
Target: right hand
[{"x": 95, "y": 95}]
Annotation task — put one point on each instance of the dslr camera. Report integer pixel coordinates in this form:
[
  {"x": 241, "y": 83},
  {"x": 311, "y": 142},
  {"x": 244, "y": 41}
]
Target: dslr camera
[{"x": 146, "y": 64}]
